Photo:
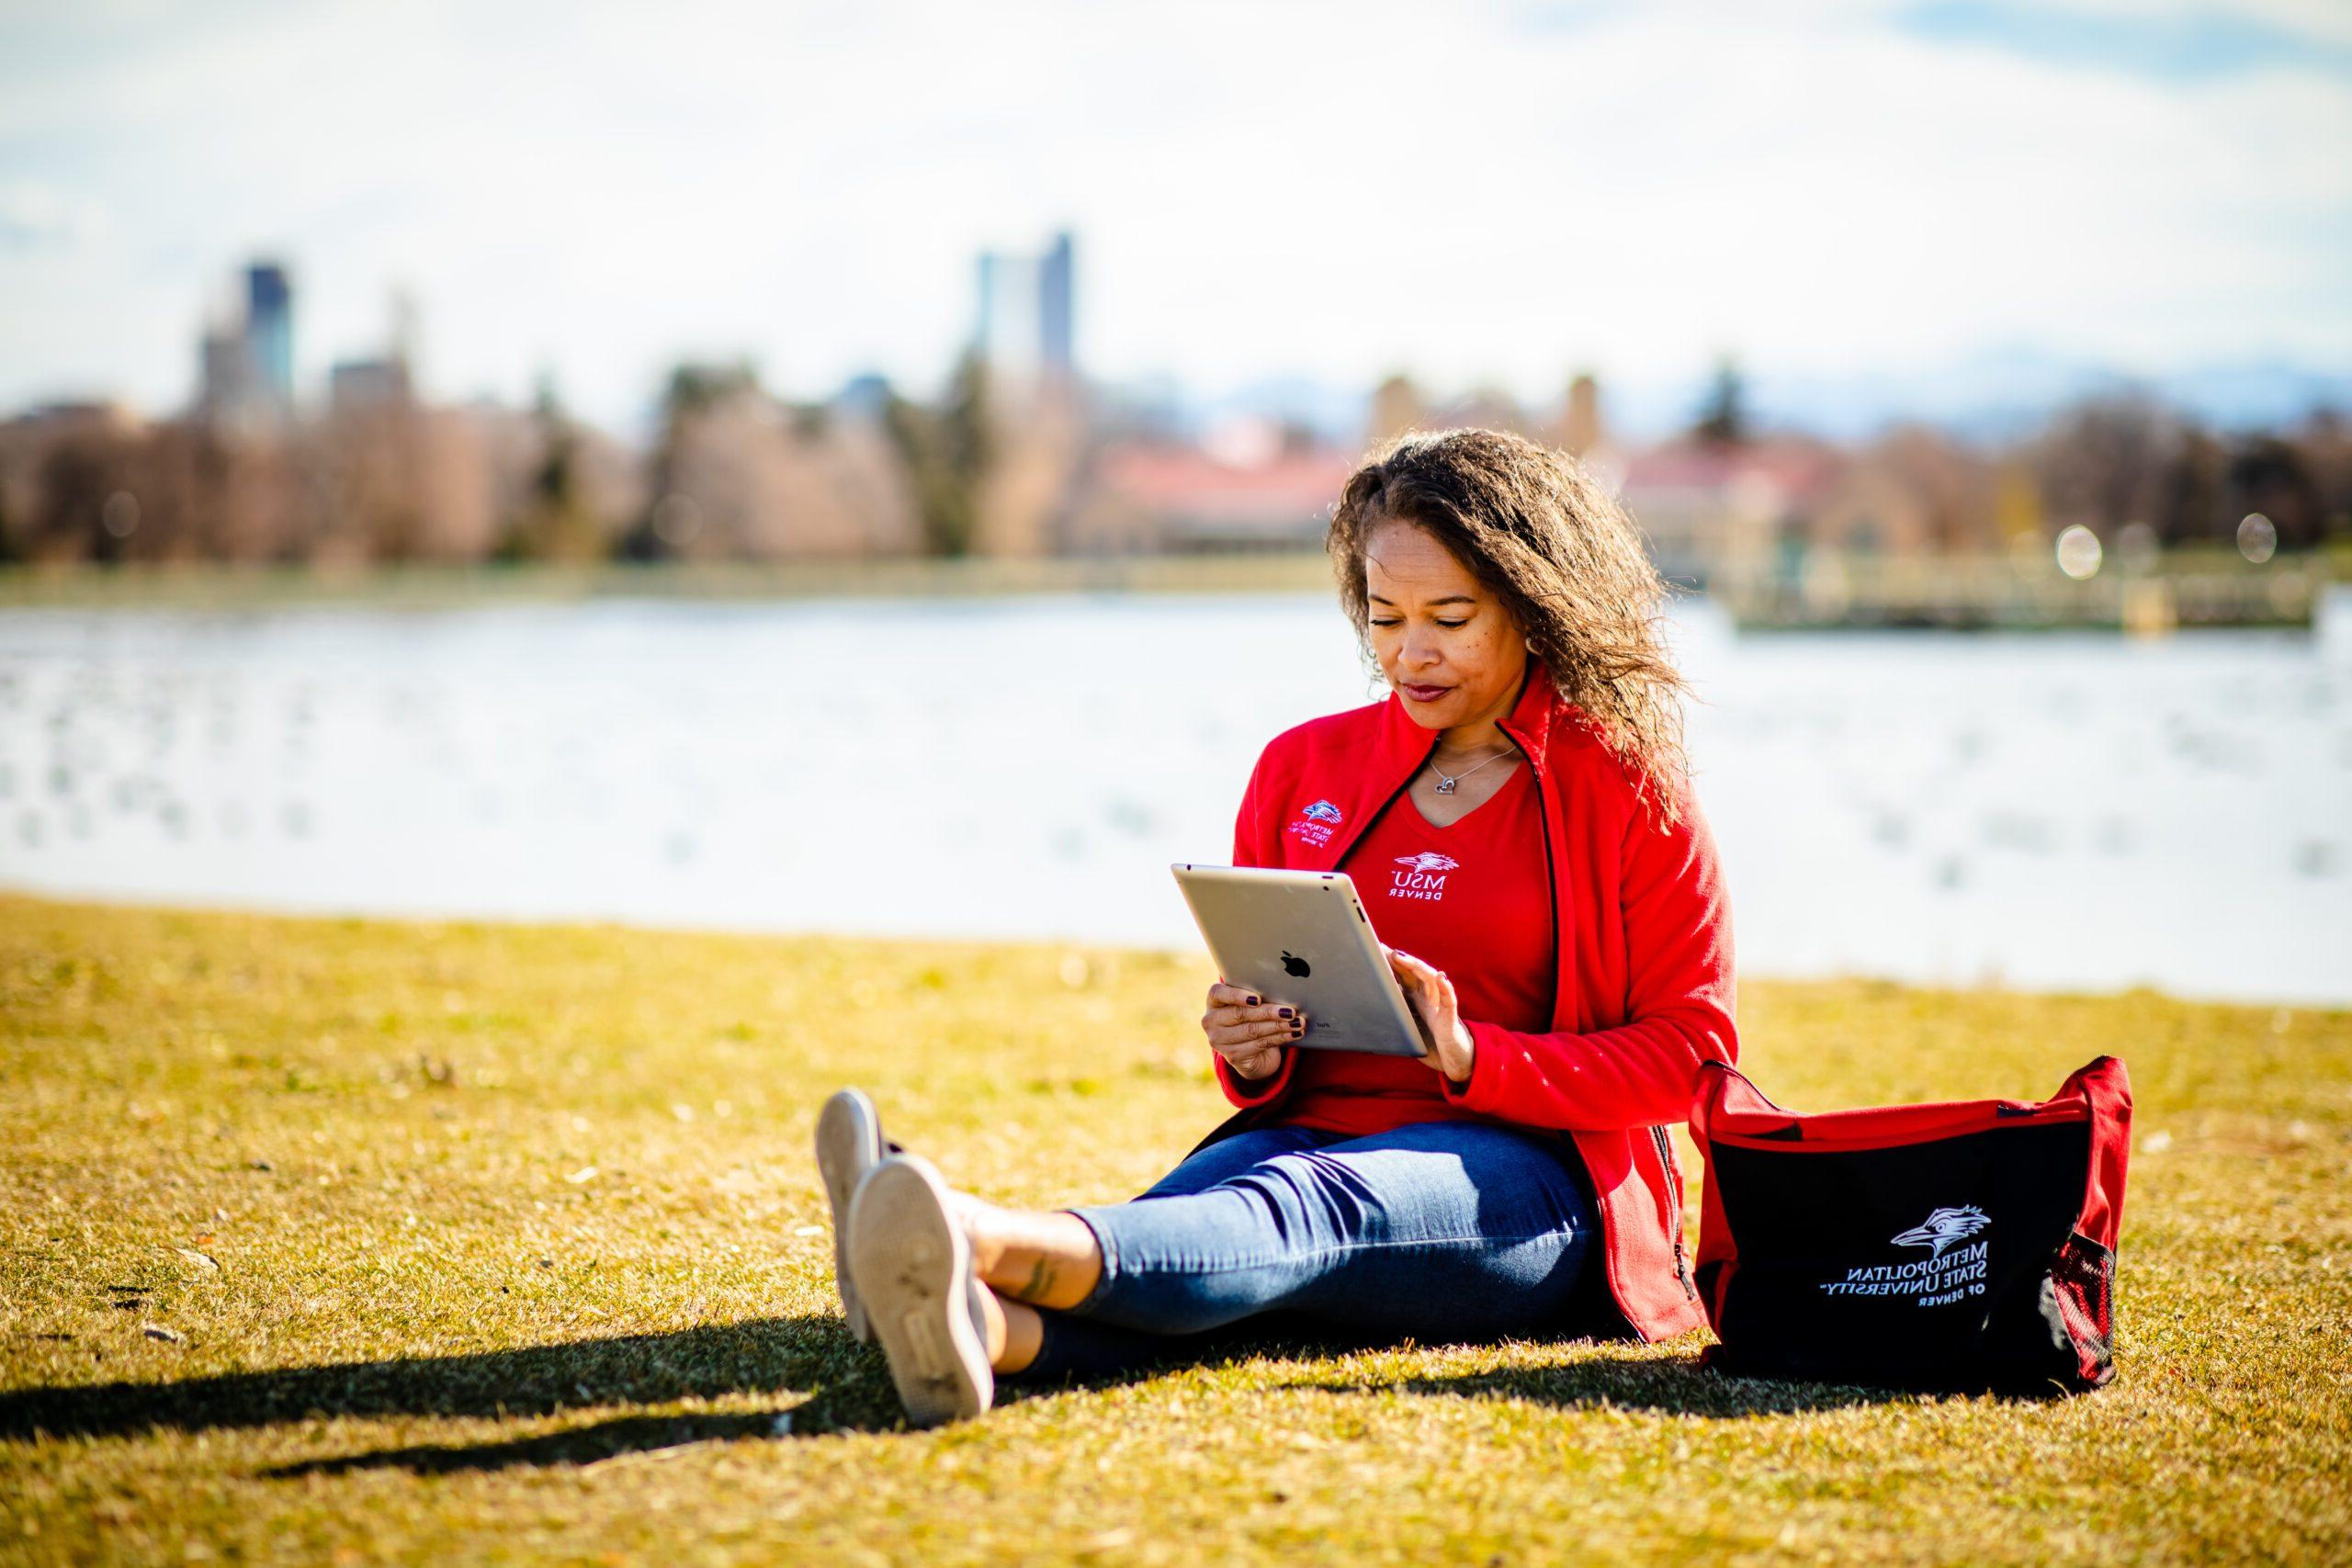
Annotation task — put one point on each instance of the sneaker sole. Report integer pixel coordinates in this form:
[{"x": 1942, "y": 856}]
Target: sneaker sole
[
  {"x": 849, "y": 1144},
  {"x": 914, "y": 1268}
]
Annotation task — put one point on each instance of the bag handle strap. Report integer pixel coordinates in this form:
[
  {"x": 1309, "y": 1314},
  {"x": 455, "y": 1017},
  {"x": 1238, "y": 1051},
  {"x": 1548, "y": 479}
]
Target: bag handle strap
[
  {"x": 1714, "y": 1091},
  {"x": 2105, "y": 1087}
]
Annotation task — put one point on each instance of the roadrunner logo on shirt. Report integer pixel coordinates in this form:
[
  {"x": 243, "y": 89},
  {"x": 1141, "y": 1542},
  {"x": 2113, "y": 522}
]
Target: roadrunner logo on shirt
[
  {"x": 1953, "y": 1269},
  {"x": 1313, "y": 823},
  {"x": 1424, "y": 878}
]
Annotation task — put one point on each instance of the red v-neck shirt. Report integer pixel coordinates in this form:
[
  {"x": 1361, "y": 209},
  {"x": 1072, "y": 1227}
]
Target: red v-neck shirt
[{"x": 1471, "y": 899}]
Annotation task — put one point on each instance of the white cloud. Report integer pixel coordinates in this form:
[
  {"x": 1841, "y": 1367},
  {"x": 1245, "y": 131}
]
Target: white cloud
[
  {"x": 38, "y": 217},
  {"x": 1333, "y": 190},
  {"x": 2328, "y": 20}
]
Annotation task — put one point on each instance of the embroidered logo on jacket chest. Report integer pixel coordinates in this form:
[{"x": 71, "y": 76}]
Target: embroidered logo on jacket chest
[{"x": 1314, "y": 824}]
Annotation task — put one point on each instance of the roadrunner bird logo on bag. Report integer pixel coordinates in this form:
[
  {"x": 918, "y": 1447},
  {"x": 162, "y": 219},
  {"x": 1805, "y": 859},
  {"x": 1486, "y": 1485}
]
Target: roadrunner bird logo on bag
[{"x": 1943, "y": 1227}]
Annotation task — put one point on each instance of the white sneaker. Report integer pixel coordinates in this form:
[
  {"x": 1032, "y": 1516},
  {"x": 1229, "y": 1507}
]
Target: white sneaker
[
  {"x": 849, "y": 1144},
  {"x": 913, "y": 1267}
]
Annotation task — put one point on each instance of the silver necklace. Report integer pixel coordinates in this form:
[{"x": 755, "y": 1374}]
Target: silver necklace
[{"x": 1445, "y": 781}]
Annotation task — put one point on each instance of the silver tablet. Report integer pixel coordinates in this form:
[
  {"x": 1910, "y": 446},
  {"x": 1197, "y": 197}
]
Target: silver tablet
[{"x": 1301, "y": 938}]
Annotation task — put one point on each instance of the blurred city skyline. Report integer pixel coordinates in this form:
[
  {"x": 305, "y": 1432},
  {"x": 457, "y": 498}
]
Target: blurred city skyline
[{"x": 1865, "y": 204}]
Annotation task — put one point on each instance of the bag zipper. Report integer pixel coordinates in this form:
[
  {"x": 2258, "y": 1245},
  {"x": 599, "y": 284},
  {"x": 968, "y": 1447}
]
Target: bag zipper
[{"x": 1782, "y": 1143}]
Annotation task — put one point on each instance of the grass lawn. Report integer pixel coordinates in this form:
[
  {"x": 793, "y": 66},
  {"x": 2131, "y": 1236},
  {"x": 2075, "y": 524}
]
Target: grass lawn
[{"x": 333, "y": 1241}]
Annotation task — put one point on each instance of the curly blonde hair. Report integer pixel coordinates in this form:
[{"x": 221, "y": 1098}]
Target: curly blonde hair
[{"x": 1541, "y": 535}]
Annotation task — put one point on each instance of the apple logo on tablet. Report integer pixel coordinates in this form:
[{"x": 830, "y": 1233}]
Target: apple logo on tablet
[{"x": 1295, "y": 966}]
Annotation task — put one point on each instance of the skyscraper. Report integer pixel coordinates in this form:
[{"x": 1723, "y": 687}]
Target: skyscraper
[
  {"x": 1054, "y": 344},
  {"x": 1007, "y": 335},
  {"x": 246, "y": 362},
  {"x": 227, "y": 392},
  {"x": 269, "y": 331},
  {"x": 1025, "y": 328}
]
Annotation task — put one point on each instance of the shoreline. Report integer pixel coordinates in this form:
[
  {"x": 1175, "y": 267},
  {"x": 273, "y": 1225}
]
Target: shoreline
[
  {"x": 203, "y": 587},
  {"x": 1954, "y": 597},
  {"x": 1080, "y": 949}
]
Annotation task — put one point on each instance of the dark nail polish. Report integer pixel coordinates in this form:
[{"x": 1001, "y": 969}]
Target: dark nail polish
[
  {"x": 1285, "y": 1012},
  {"x": 1253, "y": 1001}
]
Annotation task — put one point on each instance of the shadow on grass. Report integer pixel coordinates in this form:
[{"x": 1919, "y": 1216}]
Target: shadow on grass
[
  {"x": 847, "y": 1389},
  {"x": 574, "y": 1445},
  {"x": 836, "y": 1385},
  {"x": 1678, "y": 1387}
]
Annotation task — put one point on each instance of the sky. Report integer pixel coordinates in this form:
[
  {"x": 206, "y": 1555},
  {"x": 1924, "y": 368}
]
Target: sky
[{"x": 1498, "y": 193}]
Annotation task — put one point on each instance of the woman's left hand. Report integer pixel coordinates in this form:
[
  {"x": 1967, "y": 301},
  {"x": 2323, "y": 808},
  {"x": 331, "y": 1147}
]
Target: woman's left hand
[{"x": 1432, "y": 995}]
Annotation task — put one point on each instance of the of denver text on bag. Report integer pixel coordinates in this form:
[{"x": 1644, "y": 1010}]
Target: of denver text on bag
[{"x": 1969, "y": 1245}]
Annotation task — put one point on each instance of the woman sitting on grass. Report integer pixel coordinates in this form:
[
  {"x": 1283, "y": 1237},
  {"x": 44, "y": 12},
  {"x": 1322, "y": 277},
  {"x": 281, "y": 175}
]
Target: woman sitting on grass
[{"x": 1566, "y": 943}]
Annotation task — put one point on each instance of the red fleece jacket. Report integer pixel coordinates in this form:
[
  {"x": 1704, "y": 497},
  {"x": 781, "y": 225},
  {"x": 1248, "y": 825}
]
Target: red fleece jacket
[{"x": 1645, "y": 962}]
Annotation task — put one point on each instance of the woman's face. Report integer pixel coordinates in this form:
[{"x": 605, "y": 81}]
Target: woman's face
[{"x": 1449, "y": 647}]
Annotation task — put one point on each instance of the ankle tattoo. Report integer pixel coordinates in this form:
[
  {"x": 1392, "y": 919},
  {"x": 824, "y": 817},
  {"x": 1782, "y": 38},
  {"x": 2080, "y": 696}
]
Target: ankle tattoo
[{"x": 1040, "y": 1281}]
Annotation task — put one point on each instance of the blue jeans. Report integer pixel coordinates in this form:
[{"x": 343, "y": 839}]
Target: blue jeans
[{"x": 1444, "y": 1230}]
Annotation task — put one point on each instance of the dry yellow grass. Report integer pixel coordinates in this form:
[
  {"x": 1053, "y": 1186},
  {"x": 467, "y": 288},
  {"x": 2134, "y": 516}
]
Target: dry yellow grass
[{"x": 346, "y": 1241}]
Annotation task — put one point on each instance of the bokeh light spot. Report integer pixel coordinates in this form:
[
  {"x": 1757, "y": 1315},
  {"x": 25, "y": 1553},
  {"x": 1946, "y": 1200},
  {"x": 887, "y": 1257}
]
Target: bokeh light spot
[
  {"x": 2257, "y": 537},
  {"x": 2079, "y": 553}
]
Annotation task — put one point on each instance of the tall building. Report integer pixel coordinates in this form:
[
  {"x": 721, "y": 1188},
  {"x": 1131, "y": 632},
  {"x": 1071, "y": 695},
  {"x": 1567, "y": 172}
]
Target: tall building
[
  {"x": 1006, "y": 333},
  {"x": 227, "y": 390},
  {"x": 1026, "y": 325},
  {"x": 246, "y": 365},
  {"x": 269, "y": 331},
  {"x": 1054, "y": 348}
]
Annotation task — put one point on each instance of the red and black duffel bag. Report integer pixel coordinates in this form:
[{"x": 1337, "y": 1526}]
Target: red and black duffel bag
[{"x": 1961, "y": 1245}]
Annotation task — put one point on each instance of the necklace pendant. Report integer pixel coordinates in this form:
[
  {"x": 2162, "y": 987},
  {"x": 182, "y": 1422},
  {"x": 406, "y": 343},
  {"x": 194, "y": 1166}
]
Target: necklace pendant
[{"x": 1445, "y": 786}]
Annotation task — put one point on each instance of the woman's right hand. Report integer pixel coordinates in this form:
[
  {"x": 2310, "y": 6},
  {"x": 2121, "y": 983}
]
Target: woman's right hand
[{"x": 1249, "y": 1031}]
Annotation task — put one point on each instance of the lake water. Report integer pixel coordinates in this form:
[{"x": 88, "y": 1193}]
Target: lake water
[{"x": 2043, "y": 811}]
